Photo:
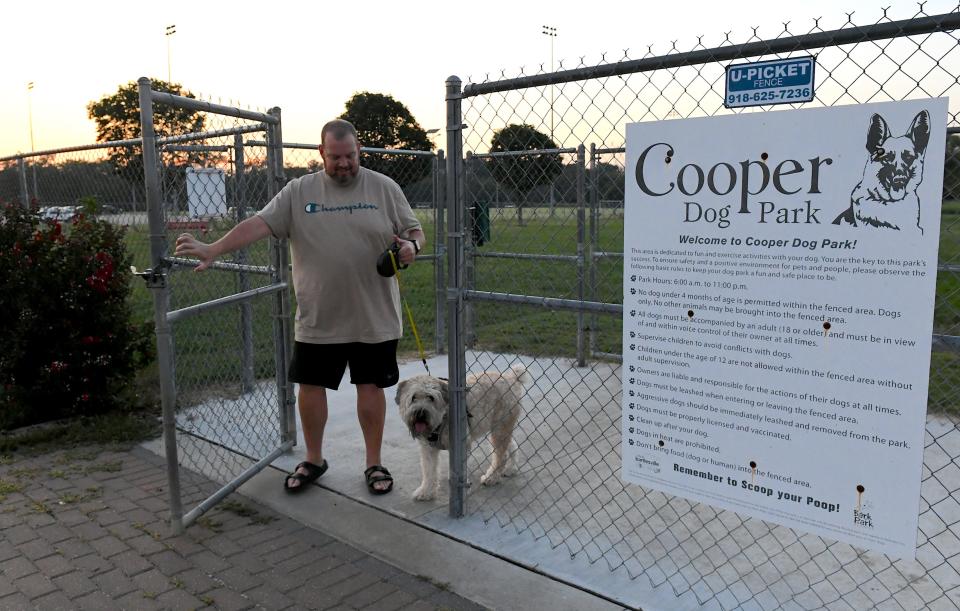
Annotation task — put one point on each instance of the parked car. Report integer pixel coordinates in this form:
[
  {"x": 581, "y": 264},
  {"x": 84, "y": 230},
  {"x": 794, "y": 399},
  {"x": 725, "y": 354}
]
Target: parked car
[
  {"x": 64, "y": 214},
  {"x": 51, "y": 213}
]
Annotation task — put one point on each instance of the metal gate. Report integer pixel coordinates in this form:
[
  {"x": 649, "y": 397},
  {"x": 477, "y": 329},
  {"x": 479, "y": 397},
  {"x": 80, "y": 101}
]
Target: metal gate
[
  {"x": 544, "y": 290},
  {"x": 223, "y": 335}
]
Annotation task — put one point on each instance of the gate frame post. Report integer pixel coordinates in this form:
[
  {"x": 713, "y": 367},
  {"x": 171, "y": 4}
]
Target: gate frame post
[
  {"x": 280, "y": 259},
  {"x": 161, "y": 301},
  {"x": 455, "y": 300},
  {"x": 247, "y": 377}
]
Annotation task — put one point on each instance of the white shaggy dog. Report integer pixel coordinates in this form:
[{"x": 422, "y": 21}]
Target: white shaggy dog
[{"x": 494, "y": 404}]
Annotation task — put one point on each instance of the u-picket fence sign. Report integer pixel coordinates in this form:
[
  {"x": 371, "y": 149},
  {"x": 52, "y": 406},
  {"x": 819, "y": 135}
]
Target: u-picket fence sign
[{"x": 780, "y": 81}]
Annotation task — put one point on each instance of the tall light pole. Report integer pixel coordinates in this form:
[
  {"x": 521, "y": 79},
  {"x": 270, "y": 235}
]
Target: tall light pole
[
  {"x": 30, "y": 121},
  {"x": 552, "y": 33},
  {"x": 171, "y": 30},
  {"x": 431, "y": 133},
  {"x": 30, "y": 111}
]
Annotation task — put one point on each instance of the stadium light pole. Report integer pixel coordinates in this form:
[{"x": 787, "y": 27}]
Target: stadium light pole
[
  {"x": 551, "y": 32},
  {"x": 30, "y": 121},
  {"x": 30, "y": 111},
  {"x": 171, "y": 30},
  {"x": 431, "y": 133}
]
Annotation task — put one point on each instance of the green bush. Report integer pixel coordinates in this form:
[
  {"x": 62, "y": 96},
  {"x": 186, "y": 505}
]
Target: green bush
[{"x": 67, "y": 343}]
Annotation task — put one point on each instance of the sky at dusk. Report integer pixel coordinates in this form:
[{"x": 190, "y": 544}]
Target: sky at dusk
[{"x": 309, "y": 57}]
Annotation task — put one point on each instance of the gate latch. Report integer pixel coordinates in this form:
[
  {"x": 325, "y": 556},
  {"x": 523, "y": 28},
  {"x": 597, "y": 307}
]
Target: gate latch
[{"x": 156, "y": 278}]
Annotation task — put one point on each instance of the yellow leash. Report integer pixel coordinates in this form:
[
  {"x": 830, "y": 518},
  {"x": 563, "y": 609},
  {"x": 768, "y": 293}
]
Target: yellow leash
[{"x": 406, "y": 306}]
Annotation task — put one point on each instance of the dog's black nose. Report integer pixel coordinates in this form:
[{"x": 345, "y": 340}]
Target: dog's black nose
[{"x": 420, "y": 415}]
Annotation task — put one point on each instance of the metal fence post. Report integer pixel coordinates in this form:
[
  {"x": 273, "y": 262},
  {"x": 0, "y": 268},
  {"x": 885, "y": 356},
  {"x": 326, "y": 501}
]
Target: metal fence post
[
  {"x": 593, "y": 245},
  {"x": 581, "y": 250},
  {"x": 22, "y": 172},
  {"x": 280, "y": 257},
  {"x": 456, "y": 358},
  {"x": 36, "y": 189},
  {"x": 440, "y": 248},
  {"x": 469, "y": 255},
  {"x": 243, "y": 280},
  {"x": 161, "y": 301}
]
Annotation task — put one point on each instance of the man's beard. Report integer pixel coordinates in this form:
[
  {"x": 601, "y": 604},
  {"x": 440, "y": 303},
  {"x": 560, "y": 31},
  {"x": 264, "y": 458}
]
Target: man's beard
[{"x": 345, "y": 179}]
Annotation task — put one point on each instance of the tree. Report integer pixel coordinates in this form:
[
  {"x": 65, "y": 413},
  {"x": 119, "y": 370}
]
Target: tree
[
  {"x": 523, "y": 172},
  {"x": 383, "y": 122},
  {"x": 118, "y": 118}
]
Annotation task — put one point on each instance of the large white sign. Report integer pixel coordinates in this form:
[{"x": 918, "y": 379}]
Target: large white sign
[
  {"x": 779, "y": 280},
  {"x": 206, "y": 192}
]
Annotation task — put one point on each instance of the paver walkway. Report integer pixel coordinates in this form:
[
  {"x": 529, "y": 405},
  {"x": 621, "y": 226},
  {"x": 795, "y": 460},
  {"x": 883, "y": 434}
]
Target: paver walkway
[{"x": 88, "y": 529}]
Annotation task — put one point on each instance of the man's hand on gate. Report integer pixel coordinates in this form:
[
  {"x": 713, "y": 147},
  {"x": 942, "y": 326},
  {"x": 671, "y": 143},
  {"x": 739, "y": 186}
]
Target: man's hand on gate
[{"x": 189, "y": 246}]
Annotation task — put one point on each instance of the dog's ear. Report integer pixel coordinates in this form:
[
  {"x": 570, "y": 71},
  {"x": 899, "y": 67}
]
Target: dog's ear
[
  {"x": 445, "y": 391},
  {"x": 877, "y": 135},
  {"x": 400, "y": 388},
  {"x": 920, "y": 131}
]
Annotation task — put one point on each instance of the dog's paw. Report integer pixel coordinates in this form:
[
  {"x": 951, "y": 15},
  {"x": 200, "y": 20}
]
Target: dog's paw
[
  {"x": 425, "y": 493},
  {"x": 490, "y": 479}
]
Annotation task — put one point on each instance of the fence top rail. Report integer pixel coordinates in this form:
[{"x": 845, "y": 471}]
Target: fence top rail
[
  {"x": 849, "y": 35},
  {"x": 230, "y": 131},
  {"x": 218, "y": 148},
  {"x": 620, "y": 149},
  {"x": 522, "y": 152},
  {"x": 363, "y": 149},
  {"x": 245, "y": 129},
  {"x": 74, "y": 149},
  {"x": 180, "y": 101},
  {"x": 370, "y": 149}
]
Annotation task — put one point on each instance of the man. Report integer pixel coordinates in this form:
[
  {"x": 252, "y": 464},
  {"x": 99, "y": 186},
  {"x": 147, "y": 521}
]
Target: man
[{"x": 338, "y": 222}]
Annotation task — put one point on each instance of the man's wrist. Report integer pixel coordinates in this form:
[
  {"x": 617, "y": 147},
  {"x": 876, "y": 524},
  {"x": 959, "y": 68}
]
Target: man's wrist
[{"x": 416, "y": 246}]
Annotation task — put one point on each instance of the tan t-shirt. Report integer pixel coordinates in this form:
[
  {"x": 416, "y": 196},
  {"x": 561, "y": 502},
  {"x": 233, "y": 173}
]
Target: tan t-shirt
[{"x": 336, "y": 234}]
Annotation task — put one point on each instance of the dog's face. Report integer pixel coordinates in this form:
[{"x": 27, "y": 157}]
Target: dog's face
[
  {"x": 896, "y": 162},
  {"x": 423, "y": 402}
]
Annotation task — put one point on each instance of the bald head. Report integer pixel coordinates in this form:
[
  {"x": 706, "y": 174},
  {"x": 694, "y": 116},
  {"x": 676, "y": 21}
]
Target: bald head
[{"x": 338, "y": 129}]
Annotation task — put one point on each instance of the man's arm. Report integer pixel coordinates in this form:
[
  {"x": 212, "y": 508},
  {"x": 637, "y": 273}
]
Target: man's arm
[{"x": 247, "y": 232}]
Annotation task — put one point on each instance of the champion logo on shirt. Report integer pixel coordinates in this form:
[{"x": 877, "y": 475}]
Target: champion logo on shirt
[{"x": 313, "y": 207}]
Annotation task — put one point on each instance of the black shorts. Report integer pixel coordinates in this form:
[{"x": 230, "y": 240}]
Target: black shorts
[{"x": 324, "y": 364}]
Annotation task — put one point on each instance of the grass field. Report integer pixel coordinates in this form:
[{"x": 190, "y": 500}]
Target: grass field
[{"x": 208, "y": 346}]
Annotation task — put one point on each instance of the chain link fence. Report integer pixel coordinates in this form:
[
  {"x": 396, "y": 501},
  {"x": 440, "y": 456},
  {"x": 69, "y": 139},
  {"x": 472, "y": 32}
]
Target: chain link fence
[
  {"x": 65, "y": 182},
  {"x": 541, "y": 189},
  {"x": 228, "y": 407}
]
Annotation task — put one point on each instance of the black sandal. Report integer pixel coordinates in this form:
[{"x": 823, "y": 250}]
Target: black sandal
[
  {"x": 374, "y": 479},
  {"x": 312, "y": 473}
]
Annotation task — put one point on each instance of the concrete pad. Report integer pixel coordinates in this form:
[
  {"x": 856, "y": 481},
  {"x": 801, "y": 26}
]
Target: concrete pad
[
  {"x": 566, "y": 513},
  {"x": 471, "y": 573}
]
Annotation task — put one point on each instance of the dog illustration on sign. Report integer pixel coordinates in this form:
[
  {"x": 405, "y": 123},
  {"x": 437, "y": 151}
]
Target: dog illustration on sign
[{"x": 886, "y": 196}]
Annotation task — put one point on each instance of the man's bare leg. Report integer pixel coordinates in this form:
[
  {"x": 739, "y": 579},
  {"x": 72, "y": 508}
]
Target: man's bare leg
[
  {"x": 312, "y": 403},
  {"x": 372, "y": 412}
]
